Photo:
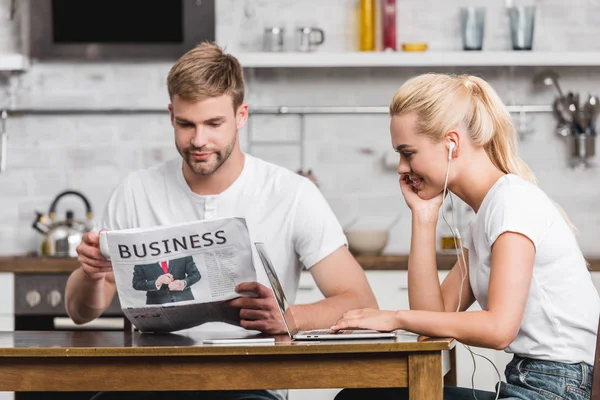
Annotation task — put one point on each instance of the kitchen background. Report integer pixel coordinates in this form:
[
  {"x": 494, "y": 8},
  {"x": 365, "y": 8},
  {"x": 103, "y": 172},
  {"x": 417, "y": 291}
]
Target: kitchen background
[{"x": 92, "y": 153}]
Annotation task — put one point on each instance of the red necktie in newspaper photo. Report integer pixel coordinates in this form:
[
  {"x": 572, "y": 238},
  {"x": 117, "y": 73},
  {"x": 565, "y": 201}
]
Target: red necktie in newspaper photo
[{"x": 164, "y": 266}]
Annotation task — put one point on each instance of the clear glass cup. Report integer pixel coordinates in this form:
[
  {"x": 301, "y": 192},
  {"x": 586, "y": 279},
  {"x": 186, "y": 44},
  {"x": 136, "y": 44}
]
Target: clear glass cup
[
  {"x": 522, "y": 24},
  {"x": 472, "y": 21}
]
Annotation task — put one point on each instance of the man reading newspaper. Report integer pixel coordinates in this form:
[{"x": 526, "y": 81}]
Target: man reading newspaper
[
  {"x": 212, "y": 179},
  {"x": 158, "y": 272}
]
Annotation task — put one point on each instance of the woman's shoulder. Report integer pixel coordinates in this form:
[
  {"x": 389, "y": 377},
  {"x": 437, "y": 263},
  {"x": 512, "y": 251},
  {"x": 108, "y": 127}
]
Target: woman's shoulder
[{"x": 517, "y": 191}]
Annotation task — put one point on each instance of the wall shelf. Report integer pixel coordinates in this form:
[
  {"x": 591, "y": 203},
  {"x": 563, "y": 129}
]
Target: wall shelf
[
  {"x": 419, "y": 59},
  {"x": 13, "y": 62}
]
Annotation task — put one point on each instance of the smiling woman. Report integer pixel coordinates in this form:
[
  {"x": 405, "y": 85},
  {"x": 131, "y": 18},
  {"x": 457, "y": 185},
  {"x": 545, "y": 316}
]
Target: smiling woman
[{"x": 520, "y": 257}]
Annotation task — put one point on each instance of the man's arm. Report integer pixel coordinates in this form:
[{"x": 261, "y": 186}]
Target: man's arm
[
  {"x": 91, "y": 287},
  {"x": 344, "y": 284},
  {"x": 321, "y": 245},
  {"x": 86, "y": 298}
]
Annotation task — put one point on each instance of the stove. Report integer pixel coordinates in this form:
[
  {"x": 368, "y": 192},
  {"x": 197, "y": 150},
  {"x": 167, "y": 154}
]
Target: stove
[{"x": 39, "y": 305}]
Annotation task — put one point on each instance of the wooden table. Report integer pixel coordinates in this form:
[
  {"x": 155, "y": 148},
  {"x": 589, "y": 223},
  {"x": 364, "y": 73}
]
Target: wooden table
[{"x": 111, "y": 361}]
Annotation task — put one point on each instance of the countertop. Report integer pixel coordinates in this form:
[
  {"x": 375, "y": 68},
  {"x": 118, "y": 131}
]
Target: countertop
[{"x": 34, "y": 265}]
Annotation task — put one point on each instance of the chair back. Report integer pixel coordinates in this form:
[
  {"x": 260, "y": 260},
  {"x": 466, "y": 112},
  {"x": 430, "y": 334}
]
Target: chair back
[{"x": 596, "y": 376}]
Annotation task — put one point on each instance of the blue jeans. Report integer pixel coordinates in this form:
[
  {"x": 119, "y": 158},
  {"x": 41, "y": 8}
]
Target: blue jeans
[{"x": 527, "y": 379}]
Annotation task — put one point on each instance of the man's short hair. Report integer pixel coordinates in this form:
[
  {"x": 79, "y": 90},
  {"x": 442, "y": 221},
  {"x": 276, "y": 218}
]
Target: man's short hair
[{"x": 207, "y": 71}]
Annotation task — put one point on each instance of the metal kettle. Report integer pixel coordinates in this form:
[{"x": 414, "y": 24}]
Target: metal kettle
[{"x": 61, "y": 238}]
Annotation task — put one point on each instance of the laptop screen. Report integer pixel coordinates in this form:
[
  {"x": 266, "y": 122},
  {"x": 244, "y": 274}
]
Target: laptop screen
[{"x": 280, "y": 298}]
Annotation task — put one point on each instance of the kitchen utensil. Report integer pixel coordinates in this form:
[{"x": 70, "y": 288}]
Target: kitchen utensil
[
  {"x": 472, "y": 21},
  {"x": 572, "y": 105},
  {"x": 591, "y": 112},
  {"x": 273, "y": 39},
  {"x": 563, "y": 130},
  {"x": 61, "y": 238},
  {"x": 549, "y": 77},
  {"x": 522, "y": 24},
  {"x": 308, "y": 38},
  {"x": 561, "y": 111}
]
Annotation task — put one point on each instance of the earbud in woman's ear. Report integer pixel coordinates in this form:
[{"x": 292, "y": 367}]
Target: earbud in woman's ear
[{"x": 451, "y": 147}]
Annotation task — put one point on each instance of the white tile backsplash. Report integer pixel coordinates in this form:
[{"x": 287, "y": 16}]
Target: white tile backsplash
[{"x": 48, "y": 154}]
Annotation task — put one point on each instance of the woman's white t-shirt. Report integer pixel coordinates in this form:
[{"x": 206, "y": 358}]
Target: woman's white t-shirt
[{"x": 560, "y": 322}]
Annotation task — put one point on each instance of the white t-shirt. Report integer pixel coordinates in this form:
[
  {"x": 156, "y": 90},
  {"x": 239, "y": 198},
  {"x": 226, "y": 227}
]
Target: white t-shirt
[
  {"x": 282, "y": 209},
  {"x": 560, "y": 322}
]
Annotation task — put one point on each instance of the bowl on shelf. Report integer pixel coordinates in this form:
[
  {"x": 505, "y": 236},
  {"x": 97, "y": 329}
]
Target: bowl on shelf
[
  {"x": 414, "y": 46},
  {"x": 367, "y": 242}
]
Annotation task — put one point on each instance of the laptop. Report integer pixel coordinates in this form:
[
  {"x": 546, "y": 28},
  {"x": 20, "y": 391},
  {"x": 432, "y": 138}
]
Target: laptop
[{"x": 288, "y": 320}]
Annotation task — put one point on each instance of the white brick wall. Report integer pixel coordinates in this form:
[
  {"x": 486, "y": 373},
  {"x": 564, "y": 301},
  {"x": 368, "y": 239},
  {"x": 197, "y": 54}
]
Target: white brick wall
[{"x": 93, "y": 153}]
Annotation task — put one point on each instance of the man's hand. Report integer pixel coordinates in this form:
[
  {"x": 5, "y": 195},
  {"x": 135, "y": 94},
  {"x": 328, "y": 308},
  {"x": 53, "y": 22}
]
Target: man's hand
[
  {"x": 261, "y": 312},
  {"x": 93, "y": 263},
  {"x": 163, "y": 280},
  {"x": 177, "y": 285}
]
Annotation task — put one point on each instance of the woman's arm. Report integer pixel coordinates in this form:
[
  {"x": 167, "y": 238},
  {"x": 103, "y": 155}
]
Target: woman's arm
[
  {"x": 457, "y": 281},
  {"x": 511, "y": 273},
  {"x": 424, "y": 290}
]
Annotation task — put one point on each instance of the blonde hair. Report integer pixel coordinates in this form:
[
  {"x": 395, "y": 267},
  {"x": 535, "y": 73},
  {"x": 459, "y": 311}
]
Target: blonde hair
[
  {"x": 443, "y": 102},
  {"x": 207, "y": 71}
]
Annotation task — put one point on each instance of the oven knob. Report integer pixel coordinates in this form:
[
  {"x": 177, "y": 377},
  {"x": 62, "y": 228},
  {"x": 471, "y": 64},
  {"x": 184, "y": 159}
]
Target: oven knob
[
  {"x": 54, "y": 298},
  {"x": 33, "y": 298}
]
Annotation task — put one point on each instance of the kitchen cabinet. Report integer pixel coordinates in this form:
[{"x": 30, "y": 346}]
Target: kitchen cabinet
[{"x": 7, "y": 301}]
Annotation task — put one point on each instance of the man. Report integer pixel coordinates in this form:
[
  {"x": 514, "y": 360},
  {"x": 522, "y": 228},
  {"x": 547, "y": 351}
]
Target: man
[
  {"x": 167, "y": 281},
  {"x": 215, "y": 179}
]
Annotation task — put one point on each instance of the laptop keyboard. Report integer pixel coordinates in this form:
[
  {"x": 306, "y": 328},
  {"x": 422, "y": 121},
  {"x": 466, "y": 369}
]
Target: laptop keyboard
[{"x": 329, "y": 332}]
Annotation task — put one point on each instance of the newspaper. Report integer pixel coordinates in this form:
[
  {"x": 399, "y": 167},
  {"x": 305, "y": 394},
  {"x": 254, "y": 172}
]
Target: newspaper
[{"x": 176, "y": 277}]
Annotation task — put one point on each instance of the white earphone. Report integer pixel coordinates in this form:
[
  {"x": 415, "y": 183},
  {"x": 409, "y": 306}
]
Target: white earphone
[{"x": 451, "y": 147}]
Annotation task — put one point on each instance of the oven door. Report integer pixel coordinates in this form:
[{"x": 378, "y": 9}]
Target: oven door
[
  {"x": 117, "y": 29},
  {"x": 39, "y": 305}
]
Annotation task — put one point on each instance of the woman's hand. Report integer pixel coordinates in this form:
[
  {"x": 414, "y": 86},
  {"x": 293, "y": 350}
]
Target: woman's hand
[
  {"x": 368, "y": 318},
  {"x": 423, "y": 209}
]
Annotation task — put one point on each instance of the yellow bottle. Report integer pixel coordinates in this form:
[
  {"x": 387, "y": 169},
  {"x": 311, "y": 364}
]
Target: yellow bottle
[{"x": 366, "y": 20}]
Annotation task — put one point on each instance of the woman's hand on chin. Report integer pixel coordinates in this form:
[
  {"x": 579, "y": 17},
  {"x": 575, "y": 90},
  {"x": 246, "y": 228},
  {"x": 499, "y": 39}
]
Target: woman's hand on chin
[{"x": 425, "y": 210}]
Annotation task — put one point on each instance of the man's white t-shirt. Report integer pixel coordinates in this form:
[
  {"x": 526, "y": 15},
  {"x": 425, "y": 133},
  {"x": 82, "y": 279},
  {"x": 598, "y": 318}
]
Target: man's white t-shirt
[
  {"x": 560, "y": 322},
  {"x": 282, "y": 209}
]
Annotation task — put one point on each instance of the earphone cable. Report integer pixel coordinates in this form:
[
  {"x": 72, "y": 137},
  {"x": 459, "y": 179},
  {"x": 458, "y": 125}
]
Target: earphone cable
[{"x": 462, "y": 264}]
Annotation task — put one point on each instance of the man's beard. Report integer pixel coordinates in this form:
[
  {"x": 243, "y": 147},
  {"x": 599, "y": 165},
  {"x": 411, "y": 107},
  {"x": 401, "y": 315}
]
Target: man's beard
[{"x": 208, "y": 167}]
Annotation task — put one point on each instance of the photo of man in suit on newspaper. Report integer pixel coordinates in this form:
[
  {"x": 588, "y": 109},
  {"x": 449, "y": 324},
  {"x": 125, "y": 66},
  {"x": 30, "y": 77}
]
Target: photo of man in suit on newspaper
[{"x": 167, "y": 281}]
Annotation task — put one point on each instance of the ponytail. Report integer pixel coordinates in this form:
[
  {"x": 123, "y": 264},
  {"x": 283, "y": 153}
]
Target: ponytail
[{"x": 502, "y": 148}]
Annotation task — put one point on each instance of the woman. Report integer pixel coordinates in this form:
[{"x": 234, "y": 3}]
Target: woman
[{"x": 523, "y": 263}]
